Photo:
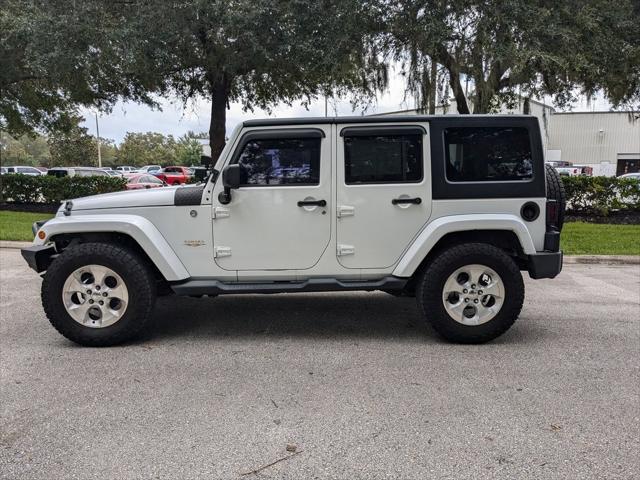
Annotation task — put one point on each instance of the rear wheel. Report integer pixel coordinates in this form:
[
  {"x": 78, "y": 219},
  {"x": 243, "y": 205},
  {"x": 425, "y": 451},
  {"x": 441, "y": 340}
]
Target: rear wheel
[
  {"x": 98, "y": 295},
  {"x": 471, "y": 293}
]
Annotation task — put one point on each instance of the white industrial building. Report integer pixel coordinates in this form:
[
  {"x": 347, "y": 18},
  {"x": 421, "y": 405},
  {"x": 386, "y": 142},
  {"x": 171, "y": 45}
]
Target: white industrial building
[{"x": 608, "y": 142}]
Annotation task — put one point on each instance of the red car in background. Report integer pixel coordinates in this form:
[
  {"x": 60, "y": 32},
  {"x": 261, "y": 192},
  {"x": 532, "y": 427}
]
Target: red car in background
[
  {"x": 137, "y": 181},
  {"x": 174, "y": 175}
]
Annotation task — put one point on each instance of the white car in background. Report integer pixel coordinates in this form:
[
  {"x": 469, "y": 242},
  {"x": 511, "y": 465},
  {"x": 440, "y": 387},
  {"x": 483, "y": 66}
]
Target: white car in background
[
  {"x": 126, "y": 169},
  {"x": 77, "y": 171},
  {"x": 634, "y": 176},
  {"x": 150, "y": 169},
  {"x": 31, "y": 171}
]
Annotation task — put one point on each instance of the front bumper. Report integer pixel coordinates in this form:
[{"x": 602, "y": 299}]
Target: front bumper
[
  {"x": 39, "y": 257},
  {"x": 545, "y": 264}
]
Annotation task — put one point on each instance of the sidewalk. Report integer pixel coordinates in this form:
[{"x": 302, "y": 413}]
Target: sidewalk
[{"x": 568, "y": 259}]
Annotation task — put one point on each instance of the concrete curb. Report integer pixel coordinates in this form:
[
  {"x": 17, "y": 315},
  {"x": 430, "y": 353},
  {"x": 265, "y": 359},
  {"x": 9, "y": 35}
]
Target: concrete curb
[
  {"x": 568, "y": 259},
  {"x": 602, "y": 259},
  {"x": 12, "y": 244}
]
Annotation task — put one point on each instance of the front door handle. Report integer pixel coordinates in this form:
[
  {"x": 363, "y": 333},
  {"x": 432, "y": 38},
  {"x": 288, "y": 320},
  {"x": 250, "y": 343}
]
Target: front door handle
[
  {"x": 403, "y": 201},
  {"x": 312, "y": 203}
]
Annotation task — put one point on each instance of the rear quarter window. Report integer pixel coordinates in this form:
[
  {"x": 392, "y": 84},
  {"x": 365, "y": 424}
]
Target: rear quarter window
[{"x": 488, "y": 154}]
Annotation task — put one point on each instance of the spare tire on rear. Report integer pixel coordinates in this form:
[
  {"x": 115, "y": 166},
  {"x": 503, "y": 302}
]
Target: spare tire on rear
[{"x": 555, "y": 191}]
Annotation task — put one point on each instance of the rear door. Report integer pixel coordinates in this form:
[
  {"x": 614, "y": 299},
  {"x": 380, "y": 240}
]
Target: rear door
[{"x": 383, "y": 192}]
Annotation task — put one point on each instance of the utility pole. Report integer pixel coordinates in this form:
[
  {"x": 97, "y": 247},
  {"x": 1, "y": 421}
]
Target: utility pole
[
  {"x": 98, "y": 137},
  {"x": 325, "y": 105}
]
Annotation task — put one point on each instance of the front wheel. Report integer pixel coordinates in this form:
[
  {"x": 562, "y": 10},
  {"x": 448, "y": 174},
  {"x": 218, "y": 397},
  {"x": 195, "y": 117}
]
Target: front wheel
[
  {"x": 471, "y": 293},
  {"x": 97, "y": 294}
]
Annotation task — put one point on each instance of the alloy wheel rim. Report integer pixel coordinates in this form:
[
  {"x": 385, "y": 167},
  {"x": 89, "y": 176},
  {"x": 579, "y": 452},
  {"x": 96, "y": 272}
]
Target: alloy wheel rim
[
  {"x": 95, "y": 296},
  {"x": 473, "y": 294}
]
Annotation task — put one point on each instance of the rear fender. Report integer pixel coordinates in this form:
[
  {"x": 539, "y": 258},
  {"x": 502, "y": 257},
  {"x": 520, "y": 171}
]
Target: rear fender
[{"x": 442, "y": 226}]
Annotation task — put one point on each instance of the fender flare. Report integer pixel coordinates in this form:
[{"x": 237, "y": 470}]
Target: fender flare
[
  {"x": 438, "y": 228},
  {"x": 138, "y": 228}
]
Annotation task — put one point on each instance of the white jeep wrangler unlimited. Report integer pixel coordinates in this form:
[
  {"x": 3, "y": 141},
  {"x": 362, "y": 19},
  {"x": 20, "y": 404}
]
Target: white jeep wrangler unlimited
[{"x": 447, "y": 208}]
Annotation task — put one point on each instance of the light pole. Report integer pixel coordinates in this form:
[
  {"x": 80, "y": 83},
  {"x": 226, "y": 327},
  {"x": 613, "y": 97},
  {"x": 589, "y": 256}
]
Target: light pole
[{"x": 98, "y": 137}]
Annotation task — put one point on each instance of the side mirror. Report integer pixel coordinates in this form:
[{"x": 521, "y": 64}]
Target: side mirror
[{"x": 230, "y": 180}]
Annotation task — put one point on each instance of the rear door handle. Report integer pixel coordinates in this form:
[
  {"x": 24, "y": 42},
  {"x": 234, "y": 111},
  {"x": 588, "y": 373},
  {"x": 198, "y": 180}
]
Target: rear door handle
[
  {"x": 312, "y": 203},
  {"x": 403, "y": 201}
]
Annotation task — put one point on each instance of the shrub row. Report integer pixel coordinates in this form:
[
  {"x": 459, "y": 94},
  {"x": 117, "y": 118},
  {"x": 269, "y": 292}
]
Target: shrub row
[
  {"x": 601, "y": 195},
  {"x": 585, "y": 195},
  {"x": 50, "y": 189}
]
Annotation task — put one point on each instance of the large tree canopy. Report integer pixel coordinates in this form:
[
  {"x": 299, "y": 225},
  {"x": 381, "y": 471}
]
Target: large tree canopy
[
  {"x": 257, "y": 52},
  {"x": 56, "y": 55},
  {"x": 495, "y": 49}
]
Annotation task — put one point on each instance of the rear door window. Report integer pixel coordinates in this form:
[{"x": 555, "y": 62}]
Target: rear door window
[
  {"x": 488, "y": 154},
  {"x": 383, "y": 159}
]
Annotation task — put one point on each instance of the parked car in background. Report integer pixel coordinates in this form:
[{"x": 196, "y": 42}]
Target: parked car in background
[
  {"x": 149, "y": 169},
  {"x": 574, "y": 170},
  {"x": 111, "y": 171},
  {"x": 3, "y": 170},
  {"x": 138, "y": 181},
  {"x": 126, "y": 169},
  {"x": 633, "y": 176},
  {"x": 31, "y": 171},
  {"x": 174, "y": 175},
  {"x": 199, "y": 173},
  {"x": 76, "y": 171}
]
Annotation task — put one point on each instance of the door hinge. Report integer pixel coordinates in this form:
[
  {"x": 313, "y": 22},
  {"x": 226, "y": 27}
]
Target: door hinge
[
  {"x": 221, "y": 252},
  {"x": 221, "y": 212},
  {"x": 346, "y": 211},
  {"x": 346, "y": 250}
]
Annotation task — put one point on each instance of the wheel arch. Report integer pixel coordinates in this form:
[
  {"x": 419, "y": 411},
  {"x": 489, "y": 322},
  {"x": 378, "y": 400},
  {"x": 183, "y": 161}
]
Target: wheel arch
[
  {"x": 136, "y": 232},
  {"x": 504, "y": 231}
]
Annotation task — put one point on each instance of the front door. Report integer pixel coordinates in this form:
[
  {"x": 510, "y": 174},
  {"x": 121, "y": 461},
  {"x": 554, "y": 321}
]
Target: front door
[
  {"x": 383, "y": 192},
  {"x": 278, "y": 219}
]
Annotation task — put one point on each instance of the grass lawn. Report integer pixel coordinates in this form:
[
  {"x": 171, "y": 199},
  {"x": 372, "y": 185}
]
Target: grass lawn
[
  {"x": 577, "y": 238},
  {"x": 17, "y": 225}
]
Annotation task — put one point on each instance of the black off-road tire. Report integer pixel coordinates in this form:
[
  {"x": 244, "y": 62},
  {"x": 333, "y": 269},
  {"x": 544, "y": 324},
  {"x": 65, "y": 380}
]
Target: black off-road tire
[
  {"x": 430, "y": 287},
  {"x": 134, "y": 272},
  {"x": 555, "y": 191}
]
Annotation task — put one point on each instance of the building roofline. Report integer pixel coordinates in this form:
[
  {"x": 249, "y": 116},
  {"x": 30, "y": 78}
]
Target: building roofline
[
  {"x": 266, "y": 122},
  {"x": 599, "y": 112}
]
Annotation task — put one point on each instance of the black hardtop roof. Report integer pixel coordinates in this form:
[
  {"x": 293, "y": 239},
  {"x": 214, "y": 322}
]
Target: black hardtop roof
[{"x": 268, "y": 122}]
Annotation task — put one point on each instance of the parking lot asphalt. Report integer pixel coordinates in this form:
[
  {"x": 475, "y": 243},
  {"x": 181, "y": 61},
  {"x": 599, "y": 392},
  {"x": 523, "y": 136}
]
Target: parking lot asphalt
[{"x": 354, "y": 381}]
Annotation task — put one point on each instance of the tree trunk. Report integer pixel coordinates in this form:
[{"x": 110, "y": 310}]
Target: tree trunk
[
  {"x": 458, "y": 93},
  {"x": 432, "y": 93},
  {"x": 217, "y": 126}
]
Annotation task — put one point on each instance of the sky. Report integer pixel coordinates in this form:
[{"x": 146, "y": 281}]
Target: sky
[{"x": 176, "y": 119}]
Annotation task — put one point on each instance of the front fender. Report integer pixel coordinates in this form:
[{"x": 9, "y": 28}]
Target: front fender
[
  {"x": 138, "y": 228},
  {"x": 442, "y": 226}
]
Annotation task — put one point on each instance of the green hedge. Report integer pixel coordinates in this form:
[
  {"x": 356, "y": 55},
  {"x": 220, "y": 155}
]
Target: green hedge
[
  {"x": 586, "y": 195},
  {"x": 601, "y": 195},
  {"x": 50, "y": 189}
]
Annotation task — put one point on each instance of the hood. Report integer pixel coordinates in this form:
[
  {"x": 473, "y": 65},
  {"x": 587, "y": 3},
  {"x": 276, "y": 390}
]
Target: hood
[{"x": 152, "y": 197}]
